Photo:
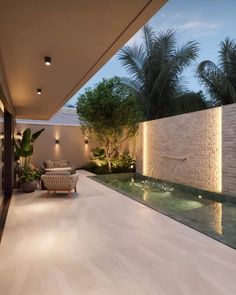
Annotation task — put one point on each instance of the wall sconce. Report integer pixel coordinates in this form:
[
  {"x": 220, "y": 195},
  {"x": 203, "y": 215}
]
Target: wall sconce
[
  {"x": 1, "y": 136},
  {"x": 39, "y": 91},
  {"x": 86, "y": 140},
  {"x": 57, "y": 141},
  {"x": 47, "y": 60},
  {"x": 18, "y": 136}
]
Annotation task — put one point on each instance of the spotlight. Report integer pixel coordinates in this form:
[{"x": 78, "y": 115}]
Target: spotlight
[
  {"x": 47, "y": 60},
  {"x": 57, "y": 141},
  {"x": 86, "y": 140},
  {"x": 39, "y": 91},
  {"x": 18, "y": 136}
]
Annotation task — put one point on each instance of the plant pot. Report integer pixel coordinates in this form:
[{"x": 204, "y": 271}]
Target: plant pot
[{"x": 29, "y": 187}]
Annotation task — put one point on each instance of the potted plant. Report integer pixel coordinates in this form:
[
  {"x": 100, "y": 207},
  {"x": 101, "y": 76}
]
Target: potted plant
[
  {"x": 24, "y": 148},
  {"x": 29, "y": 179}
]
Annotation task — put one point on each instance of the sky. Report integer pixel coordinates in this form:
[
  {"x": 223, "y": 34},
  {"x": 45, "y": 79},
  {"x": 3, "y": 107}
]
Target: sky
[{"x": 206, "y": 21}]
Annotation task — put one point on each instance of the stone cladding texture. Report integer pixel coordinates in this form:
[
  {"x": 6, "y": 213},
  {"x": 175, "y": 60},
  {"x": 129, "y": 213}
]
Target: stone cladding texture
[
  {"x": 229, "y": 149},
  {"x": 187, "y": 149}
]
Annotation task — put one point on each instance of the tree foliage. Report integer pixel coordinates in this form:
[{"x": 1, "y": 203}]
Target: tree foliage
[
  {"x": 155, "y": 71},
  {"x": 220, "y": 81},
  {"x": 111, "y": 112}
]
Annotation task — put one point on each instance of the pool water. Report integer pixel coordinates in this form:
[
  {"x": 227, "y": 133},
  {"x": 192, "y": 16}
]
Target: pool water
[{"x": 210, "y": 213}]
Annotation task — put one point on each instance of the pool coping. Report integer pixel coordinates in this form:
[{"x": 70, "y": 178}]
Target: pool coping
[{"x": 134, "y": 198}]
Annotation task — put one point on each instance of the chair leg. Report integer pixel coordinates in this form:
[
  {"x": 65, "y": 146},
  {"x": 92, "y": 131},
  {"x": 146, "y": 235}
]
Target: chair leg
[{"x": 75, "y": 189}]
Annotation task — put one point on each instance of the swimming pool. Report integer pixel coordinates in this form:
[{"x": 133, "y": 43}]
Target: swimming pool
[{"x": 210, "y": 213}]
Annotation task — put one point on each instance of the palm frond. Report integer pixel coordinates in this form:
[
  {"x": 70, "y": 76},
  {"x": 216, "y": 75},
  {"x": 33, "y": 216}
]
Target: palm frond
[
  {"x": 131, "y": 84},
  {"x": 227, "y": 57},
  {"x": 184, "y": 56},
  {"x": 132, "y": 58},
  {"x": 165, "y": 44},
  {"x": 149, "y": 39},
  {"x": 215, "y": 82}
]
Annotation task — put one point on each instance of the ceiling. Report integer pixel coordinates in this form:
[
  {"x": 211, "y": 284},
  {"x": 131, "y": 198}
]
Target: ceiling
[{"x": 79, "y": 35}]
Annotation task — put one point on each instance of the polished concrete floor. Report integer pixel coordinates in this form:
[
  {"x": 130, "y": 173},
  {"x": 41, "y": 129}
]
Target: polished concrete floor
[{"x": 101, "y": 242}]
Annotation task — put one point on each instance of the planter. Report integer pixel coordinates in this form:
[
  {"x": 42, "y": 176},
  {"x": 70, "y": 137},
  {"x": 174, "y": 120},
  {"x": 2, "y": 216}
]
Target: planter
[{"x": 29, "y": 187}]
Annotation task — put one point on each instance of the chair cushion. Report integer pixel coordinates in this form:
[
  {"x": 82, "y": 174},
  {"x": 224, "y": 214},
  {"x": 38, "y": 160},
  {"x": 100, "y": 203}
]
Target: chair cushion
[
  {"x": 49, "y": 164},
  {"x": 57, "y": 172},
  {"x": 63, "y": 164},
  {"x": 68, "y": 169}
]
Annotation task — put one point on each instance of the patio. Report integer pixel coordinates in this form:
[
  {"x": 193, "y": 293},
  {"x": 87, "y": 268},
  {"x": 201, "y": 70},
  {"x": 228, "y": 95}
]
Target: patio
[{"x": 101, "y": 242}]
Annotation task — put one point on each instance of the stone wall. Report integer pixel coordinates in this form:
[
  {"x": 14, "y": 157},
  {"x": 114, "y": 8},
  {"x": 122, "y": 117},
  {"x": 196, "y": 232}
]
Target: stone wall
[
  {"x": 229, "y": 149},
  {"x": 197, "y": 149}
]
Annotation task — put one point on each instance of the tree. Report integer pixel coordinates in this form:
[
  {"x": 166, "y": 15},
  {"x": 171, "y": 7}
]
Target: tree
[
  {"x": 220, "y": 81},
  {"x": 155, "y": 68},
  {"x": 111, "y": 112}
]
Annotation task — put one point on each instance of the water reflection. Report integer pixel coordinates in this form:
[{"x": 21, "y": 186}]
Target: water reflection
[
  {"x": 196, "y": 208},
  {"x": 215, "y": 212}
]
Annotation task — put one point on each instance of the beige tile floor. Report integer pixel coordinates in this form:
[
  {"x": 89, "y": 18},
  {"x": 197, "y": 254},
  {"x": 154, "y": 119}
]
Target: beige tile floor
[{"x": 101, "y": 242}]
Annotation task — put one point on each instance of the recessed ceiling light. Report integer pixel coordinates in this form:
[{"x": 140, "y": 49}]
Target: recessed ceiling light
[
  {"x": 39, "y": 91},
  {"x": 47, "y": 60}
]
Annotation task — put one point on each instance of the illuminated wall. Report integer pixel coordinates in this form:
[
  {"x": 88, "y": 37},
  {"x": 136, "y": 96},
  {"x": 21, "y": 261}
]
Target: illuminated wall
[
  {"x": 197, "y": 149},
  {"x": 229, "y": 149},
  {"x": 185, "y": 149},
  {"x": 71, "y": 144}
]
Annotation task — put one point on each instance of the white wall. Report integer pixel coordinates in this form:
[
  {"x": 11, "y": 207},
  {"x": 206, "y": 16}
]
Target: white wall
[{"x": 71, "y": 144}]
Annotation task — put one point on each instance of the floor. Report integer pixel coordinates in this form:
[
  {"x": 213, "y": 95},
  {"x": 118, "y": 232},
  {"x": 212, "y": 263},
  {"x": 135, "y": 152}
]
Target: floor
[{"x": 101, "y": 242}]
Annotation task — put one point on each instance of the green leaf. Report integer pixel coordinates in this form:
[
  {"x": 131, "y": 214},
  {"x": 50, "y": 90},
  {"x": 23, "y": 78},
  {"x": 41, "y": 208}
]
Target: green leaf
[
  {"x": 36, "y": 135},
  {"x": 26, "y": 138}
]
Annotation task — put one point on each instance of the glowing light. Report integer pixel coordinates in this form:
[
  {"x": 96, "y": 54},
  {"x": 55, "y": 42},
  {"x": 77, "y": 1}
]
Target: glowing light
[
  {"x": 47, "y": 60},
  {"x": 57, "y": 146},
  {"x": 216, "y": 215},
  {"x": 145, "y": 150},
  {"x": 145, "y": 195},
  {"x": 219, "y": 150},
  {"x": 1, "y": 106},
  {"x": 199, "y": 197}
]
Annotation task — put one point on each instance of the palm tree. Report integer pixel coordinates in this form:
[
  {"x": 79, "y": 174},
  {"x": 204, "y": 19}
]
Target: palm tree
[
  {"x": 155, "y": 68},
  {"x": 220, "y": 81}
]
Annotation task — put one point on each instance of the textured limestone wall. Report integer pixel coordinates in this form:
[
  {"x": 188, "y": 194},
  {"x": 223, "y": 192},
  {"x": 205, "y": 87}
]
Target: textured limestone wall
[
  {"x": 229, "y": 149},
  {"x": 184, "y": 149}
]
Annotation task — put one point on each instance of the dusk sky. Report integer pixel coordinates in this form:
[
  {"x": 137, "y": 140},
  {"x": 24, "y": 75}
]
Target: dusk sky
[{"x": 206, "y": 21}]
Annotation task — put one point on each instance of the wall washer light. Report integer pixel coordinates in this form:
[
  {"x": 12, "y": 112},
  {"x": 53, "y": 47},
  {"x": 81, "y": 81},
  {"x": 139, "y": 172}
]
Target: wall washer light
[
  {"x": 1, "y": 136},
  {"x": 39, "y": 91},
  {"x": 18, "y": 136},
  {"x": 57, "y": 141},
  {"x": 86, "y": 140},
  {"x": 47, "y": 60}
]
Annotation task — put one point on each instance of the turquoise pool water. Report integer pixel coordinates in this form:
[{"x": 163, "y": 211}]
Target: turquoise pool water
[{"x": 210, "y": 213}]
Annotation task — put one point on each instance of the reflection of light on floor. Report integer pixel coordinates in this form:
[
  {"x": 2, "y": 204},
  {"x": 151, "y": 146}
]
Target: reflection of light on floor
[
  {"x": 216, "y": 213},
  {"x": 194, "y": 204},
  {"x": 145, "y": 195}
]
